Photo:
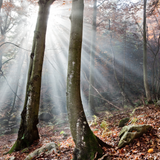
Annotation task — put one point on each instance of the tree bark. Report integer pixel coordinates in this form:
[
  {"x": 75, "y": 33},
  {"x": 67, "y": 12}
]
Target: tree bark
[
  {"x": 1, "y": 3},
  {"x": 87, "y": 145},
  {"x": 147, "y": 91},
  {"x": 28, "y": 131}
]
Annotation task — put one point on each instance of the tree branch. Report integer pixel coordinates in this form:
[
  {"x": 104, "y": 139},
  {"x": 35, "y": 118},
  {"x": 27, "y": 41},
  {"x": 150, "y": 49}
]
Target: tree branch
[{"x": 10, "y": 86}]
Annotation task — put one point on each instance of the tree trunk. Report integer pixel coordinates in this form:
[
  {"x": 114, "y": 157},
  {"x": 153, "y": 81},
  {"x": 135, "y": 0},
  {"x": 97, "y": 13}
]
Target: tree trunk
[
  {"x": 1, "y": 49},
  {"x": 1, "y": 2},
  {"x": 28, "y": 131},
  {"x": 147, "y": 91},
  {"x": 86, "y": 142},
  {"x": 91, "y": 102}
]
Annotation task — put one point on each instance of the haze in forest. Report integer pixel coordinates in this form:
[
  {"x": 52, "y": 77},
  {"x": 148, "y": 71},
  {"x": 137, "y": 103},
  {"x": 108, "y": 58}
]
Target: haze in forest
[{"x": 117, "y": 70}]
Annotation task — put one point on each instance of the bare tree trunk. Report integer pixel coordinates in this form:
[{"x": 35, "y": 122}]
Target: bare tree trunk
[
  {"x": 28, "y": 131},
  {"x": 91, "y": 102},
  {"x": 1, "y": 49},
  {"x": 87, "y": 145},
  {"x": 1, "y": 2},
  {"x": 147, "y": 91}
]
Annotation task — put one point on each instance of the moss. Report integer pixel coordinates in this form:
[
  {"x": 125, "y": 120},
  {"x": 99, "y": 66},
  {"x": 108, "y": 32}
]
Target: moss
[
  {"x": 92, "y": 147},
  {"x": 26, "y": 150},
  {"x": 19, "y": 145},
  {"x": 13, "y": 148},
  {"x": 123, "y": 121},
  {"x": 88, "y": 149}
]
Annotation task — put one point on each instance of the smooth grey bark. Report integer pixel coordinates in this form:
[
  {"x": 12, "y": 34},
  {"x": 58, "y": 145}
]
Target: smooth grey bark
[
  {"x": 86, "y": 142},
  {"x": 1, "y": 50},
  {"x": 91, "y": 102},
  {"x": 147, "y": 91},
  {"x": 1, "y": 2},
  {"x": 28, "y": 131}
]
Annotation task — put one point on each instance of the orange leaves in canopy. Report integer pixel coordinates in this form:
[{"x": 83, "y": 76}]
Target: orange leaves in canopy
[
  {"x": 63, "y": 3},
  {"x": 66, "y": 2},
  {"x": 33, "y": 1},
  {"x": 8, "y": 6}
]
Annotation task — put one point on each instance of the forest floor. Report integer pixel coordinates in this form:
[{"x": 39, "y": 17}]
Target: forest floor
[{"x": 105, "y": 126}]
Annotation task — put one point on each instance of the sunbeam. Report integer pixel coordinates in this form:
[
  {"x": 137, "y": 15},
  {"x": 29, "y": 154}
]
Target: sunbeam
[{"x": 114, "y": 79}]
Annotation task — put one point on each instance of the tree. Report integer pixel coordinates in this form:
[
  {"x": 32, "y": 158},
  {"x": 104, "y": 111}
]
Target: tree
[
  {"x": 92, "y": 56},
  {"x": 87, "y": 144},
  {"x": 1, "y": 2},
  {"x": 28, "y": 131},
  {"x": 147, "y": 91},
  {"x": 10, "y": 16}
]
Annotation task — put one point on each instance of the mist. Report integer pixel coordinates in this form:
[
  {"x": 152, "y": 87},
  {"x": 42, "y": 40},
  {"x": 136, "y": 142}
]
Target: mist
[{"x": 117, "y": 69}]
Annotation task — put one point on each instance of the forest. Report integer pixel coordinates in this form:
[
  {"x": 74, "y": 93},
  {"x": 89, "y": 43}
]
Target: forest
[{"x": 79, "y": 79}]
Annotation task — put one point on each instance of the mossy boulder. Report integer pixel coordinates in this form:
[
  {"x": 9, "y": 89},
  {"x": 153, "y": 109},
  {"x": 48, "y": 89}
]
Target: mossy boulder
[
  {"x": 47, "y": 149},
  {"x": 158, "y": 103},
  {"x": 129, "y": 133},
  {"x": 123, "y": 121},
  {"x": 12, "y": 158}
]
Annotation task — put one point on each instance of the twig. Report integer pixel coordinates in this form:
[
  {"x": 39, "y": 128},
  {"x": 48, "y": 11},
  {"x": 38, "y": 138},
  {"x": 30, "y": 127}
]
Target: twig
[
  {"x": 95, "y": 157},
  {"x": 10, "y": 86},
  {"x": 7, "y": 61},
  {"x": 26, "y": 49},
  {"x": 14, "y": 45},
  {"x": 103, "y": 157}
]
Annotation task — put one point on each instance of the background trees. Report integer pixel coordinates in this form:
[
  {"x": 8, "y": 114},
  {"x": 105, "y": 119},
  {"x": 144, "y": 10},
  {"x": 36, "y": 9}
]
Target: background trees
[{"x": 147, "y": 90}]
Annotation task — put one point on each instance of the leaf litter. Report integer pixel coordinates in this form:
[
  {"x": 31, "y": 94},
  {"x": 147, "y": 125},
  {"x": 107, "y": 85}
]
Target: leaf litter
[{"x": 105, "y": 126}]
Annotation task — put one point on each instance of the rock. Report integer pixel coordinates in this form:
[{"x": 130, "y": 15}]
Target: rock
[
  {"x": 123, "y": 121},
  {"x": 47, "y": 149},
  {"x": 12, "y": 158},
  {"x": 45, "y": 117},
  {"x": 129, "y": 133},
  {"x": 158, "y": 103}
]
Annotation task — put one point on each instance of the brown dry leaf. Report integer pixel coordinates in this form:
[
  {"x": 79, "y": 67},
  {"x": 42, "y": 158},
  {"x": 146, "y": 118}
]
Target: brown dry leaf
[
  {"x": 122, "y": 151},
  {"x": 136, "y": 158},
  {"x": 134, "y": 151},
  {"x": 150, "y": 150},
  {"x": 138, "y": 143}
]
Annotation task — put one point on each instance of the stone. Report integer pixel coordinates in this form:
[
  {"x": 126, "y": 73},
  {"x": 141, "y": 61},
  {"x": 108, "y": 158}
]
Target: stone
[
  {"x": 129, "y": 133},
  {"x": 47, "y": 149},
  {"x": 12, "y": 158},
  {"x": 123, "y": 121},
  {"x": 45, "y": 117},
  {"x": 158, "y": 103}
]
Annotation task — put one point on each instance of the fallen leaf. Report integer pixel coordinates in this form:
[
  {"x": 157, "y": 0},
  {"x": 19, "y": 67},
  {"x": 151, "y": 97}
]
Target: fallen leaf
[{"x": 150, "y": 150}]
